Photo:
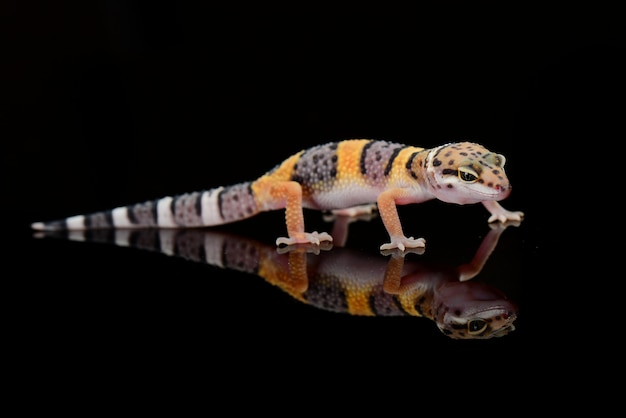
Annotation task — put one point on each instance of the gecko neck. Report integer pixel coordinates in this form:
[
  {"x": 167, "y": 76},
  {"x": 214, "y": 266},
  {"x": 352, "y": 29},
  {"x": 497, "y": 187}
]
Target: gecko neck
[{"x": 429, "y": 169}]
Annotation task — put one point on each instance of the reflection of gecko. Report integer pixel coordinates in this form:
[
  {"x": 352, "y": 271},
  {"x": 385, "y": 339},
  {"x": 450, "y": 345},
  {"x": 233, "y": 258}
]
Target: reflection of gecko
[
  {"x": 344, "y": 280},
  {"x": 345, "y": 177}
]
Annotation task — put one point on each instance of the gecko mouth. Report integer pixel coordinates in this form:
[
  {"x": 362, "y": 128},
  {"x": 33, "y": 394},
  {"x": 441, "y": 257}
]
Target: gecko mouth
[
  {"x": 504, "y": 307},
  {"x": 495, "y": 192}
]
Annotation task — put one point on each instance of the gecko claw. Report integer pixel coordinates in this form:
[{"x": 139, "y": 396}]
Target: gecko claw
[
  {"x": 505, "y": 216},
  {"x": 308, "y": 248},
  {"x": 396, "y": 252},
  {"x": 402, "y": 243},
  {"x": 305, "y": 238}
]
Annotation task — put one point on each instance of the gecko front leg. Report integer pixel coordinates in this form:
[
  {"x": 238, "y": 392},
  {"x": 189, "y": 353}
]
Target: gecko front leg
[
  {"x": 389, "y": 214},
  {"x": 498, "y": 213}
]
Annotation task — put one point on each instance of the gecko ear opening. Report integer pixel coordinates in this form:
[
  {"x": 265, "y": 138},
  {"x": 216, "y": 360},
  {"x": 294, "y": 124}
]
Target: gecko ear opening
[{"x": 500, "y": 160}]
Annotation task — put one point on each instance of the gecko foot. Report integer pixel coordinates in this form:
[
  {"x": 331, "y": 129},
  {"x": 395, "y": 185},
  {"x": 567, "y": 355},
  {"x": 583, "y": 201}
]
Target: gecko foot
[
  {"x": 504, "y": 225},
  {"x": 305, "y": 238},
  {"x": 397, "y": 253},
  {"x": 307, "y": 248},
  {"x": 505, "y": 215},
  {"x": 402, "y": 243}
]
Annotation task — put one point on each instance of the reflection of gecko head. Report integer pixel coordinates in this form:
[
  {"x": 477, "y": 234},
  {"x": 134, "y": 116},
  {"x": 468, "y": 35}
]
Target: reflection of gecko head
[{"x": 473, "y": 310}]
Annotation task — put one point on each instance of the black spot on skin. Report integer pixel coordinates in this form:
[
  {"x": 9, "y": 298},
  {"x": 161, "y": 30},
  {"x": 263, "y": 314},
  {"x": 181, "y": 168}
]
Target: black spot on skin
[
  {"x": 481, "y": 181},
  {"x": 496, "y": 172},
  {"x": 333, "y": 172},
  {"x": 450, "y": 186},
  {"x": 463, "y": 154},
  {"x": 449, "y": 171},
  {"x": 131, "y": 215},
  {"x": 399, "y": 305},
  {"x": 155, "y": 210},
  {"x": 392, "y": 159},
  {"x": 364, "y": 156},
  {"x": 198, "y": 205},
  {"x": 451, "y": 162},
  {"x": 409, "y": 162},
  {"x": 490, "y": 184},
  {"x": 436, "y": 162},
  {"x": 418, "y": 308}
]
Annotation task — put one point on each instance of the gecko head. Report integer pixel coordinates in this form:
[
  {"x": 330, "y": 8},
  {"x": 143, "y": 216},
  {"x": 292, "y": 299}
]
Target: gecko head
[
  {"x": 466, "y": 172},
  {"x": 473, "y": 310}
]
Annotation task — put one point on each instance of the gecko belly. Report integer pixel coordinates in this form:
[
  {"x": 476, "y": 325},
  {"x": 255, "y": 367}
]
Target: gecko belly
[{"x": 341, "y": 199}]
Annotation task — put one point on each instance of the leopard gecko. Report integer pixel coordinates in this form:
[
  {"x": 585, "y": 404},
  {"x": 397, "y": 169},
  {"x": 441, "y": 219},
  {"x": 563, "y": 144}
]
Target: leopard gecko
[{"x": 344, "y": 177}]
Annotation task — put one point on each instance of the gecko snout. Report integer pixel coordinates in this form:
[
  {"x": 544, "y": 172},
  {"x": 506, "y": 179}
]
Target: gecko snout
[{"x": 503, "y": 190}]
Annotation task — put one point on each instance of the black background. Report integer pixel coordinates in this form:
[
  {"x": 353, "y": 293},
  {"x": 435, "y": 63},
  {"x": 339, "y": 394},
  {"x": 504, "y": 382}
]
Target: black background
[{"x": 110, "y": 103}]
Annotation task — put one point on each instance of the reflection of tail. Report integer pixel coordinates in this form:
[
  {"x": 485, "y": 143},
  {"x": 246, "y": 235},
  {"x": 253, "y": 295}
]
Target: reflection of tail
[
  {"x": 211, "y": 247},
  {"x": 342, "y": 280},
  {"x": 205, "y": 208}
]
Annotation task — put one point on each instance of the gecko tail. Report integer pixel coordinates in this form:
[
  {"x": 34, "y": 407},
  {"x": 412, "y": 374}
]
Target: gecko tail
[
  {"x": 48, "y": 226},
  {"x": 211, "y": 207}
]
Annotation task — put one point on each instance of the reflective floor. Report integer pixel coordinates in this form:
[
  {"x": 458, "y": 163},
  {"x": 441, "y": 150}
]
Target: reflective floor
[{"x": 467, "y": 284}]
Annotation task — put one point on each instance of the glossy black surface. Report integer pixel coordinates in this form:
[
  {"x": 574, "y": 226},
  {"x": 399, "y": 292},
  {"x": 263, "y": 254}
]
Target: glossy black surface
[{"x": 123, "y": 102}]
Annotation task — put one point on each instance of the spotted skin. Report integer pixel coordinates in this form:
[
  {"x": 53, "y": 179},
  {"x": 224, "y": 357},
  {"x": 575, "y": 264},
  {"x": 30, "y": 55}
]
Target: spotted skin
[{"x": 337, "y": 177}]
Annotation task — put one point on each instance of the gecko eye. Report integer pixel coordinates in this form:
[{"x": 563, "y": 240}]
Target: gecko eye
[
  {"x": 467, "y": 174},
  {"x": 476, "y": 326}
]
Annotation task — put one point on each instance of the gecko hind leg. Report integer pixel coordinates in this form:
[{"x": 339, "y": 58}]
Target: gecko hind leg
[
  {"x": 342, "y": 218},
  {"x": 355, "y": 213},
  {"x": 291, "y": 192}
]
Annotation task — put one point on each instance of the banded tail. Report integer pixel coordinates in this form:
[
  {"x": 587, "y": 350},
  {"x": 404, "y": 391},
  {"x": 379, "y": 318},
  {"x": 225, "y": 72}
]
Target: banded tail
[{"x": 196, "y": 209}]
